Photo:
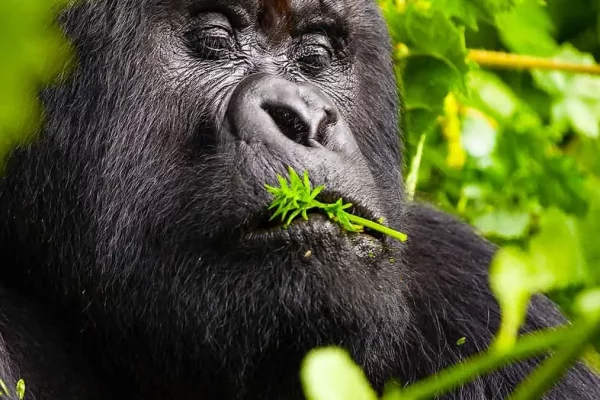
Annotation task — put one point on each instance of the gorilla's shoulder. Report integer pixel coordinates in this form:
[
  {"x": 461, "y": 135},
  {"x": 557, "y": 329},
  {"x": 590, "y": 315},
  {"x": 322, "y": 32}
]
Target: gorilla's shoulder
[{"x": 438, "y": 237}]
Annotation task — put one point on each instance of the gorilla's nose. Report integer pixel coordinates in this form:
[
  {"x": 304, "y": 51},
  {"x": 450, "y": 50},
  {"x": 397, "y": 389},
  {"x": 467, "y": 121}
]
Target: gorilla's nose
[{"x": 270, "y": 109}]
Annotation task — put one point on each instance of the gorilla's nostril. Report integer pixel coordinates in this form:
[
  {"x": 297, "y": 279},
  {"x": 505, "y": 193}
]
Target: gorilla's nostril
[
  {"x": 271, "y": 109},
  {"x": 331, "y": 116},
  {"x": 291, "y": 124}
]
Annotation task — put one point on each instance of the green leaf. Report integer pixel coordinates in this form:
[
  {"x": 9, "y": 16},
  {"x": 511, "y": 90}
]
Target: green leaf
[
  {"x": 428, "y": 80},
  {"x": 478, "y": 137},
  {"x": 589, "y": 232},
  {"x": 316, "y": 191},
  {"x": 330, "y": 374},
  {"x": 33, "y": 52},
  {"x": 292, "y": 216},
  {"x": 460, "y": 9},
  {"x": 527, "y": 29},
  {"x": 494, "y": 95},
  {"x": 431, "y": 33},
  {"x": 553, "y": 261},
  {"x": 576, "y": 97},
  {"x": 587, "y": 302},
  {"x": 503, "y": 223},
  {"x": 510, "y": 272},
  {"x": 21, "y": 389},
  {"x": 557, "y": 254},
  {"x": 307, "y": 181}
]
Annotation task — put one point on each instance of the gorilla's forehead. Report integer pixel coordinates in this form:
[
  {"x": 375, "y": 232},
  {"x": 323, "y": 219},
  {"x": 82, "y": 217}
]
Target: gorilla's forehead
[
  {"x": 302, "y": 7},
  {"x": 279, "y": 5},
  {"x": 281, "y": 8}
]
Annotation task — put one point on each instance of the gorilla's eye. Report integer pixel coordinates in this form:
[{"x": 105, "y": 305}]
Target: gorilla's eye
[
  {"x": 315, "y": 55},
  {"x": 211, "y": 43}
]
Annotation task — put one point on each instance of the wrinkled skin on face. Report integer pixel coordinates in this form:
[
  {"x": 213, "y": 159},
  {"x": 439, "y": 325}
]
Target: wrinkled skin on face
[{"x": 137, "y": 225}]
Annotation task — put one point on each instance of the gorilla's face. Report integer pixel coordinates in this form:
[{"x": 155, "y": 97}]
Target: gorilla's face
[
  {"x": 260, "y": 87},
  {"x": 179, "y": 113}
]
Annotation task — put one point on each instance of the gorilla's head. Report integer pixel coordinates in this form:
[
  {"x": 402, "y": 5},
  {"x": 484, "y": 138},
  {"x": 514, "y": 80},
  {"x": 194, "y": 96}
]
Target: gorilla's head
[{"x": 142, "y": 208}]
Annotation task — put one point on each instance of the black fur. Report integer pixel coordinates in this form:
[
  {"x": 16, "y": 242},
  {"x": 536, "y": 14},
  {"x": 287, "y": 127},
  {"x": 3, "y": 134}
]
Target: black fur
[{"x": 122, "y": 271}]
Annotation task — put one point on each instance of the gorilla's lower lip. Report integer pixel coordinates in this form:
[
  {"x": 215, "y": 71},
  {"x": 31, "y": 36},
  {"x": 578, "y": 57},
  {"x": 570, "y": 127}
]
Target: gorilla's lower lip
[{"x": 299, "y": 231}]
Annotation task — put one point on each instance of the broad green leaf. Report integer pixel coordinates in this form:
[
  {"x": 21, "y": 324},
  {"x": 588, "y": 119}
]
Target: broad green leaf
[
  {"x": 33, "y": 51},
  {"x": 503, "y": 223},
  {"x": 556, "y": 253},
  {"x": 587, "y": 305},
  {"x": 330, "y": 374},
  {"x": 421, "y": 121},
  {"x": 510, "y": 274},
  {"x": 492, "y": 93},
  {"x": 576, "y": 97},
  {"x": 553, "y": 261},
  {"x": 587, "y": 302},
  {"x": 432, "y": 33},
  {"x": 589, "y": 232},
  {"x": 468, "y": 11},
  {"x": 583, "y": 116},
  {"x": 428, "y": 82},
  {"x": 527, "y": 29},
  {"x": 478, "y": 136},
  {"x": 461, "y": 9}
]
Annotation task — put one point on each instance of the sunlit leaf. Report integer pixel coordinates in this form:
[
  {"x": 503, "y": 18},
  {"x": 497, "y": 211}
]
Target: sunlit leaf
[{"x": 330, "y": 374}]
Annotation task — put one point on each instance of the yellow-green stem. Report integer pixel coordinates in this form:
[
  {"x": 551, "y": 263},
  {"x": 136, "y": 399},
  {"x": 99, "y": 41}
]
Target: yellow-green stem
[{"x": 378, "y": 227}]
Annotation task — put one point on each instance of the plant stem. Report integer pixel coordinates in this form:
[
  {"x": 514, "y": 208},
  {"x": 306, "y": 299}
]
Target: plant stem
[
  {"x": 459, "y": 374},
  {"x": 377, "y": 227},
  {"x": 517, "y": 61},
  {"x": 413, "y": 174},
  {"x": 552, "y": 369}
]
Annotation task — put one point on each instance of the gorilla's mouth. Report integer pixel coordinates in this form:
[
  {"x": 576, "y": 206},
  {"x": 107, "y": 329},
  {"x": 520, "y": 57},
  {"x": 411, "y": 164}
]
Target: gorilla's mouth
[{"x": 261, "y": 229}]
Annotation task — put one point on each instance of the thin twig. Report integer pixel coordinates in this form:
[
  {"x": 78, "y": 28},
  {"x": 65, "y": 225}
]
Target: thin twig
[{"x": 496, "y": 59}]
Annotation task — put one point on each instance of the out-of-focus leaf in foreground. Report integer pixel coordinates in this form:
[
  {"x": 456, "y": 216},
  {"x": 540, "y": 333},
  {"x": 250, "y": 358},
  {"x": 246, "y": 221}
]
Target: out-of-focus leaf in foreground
[
  {"x": 562, "y": 259},
  {"x": 330, "y": 374},
  {"x": 33, "y": 50}
]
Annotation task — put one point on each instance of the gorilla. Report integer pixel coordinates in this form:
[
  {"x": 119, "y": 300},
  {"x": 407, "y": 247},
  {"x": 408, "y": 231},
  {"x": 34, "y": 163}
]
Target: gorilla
[{"x": 138, "y": 260}]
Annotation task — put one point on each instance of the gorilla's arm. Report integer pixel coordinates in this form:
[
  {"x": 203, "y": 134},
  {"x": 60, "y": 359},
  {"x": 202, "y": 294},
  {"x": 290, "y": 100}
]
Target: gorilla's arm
[{"x": 451, "y": 298}]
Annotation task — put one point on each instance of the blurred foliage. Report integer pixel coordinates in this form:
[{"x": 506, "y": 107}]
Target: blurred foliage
[
  {"x": 33, "y": 51},
  {"x": 330, "y": 374},
  {"x": 502, "y": 147}
]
